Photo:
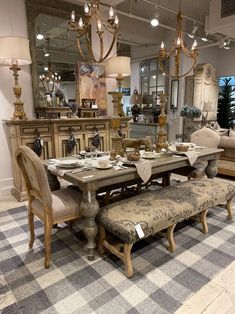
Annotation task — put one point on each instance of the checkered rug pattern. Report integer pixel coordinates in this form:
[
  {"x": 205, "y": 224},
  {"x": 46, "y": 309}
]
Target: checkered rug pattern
[{"x": 161, "y": 284}]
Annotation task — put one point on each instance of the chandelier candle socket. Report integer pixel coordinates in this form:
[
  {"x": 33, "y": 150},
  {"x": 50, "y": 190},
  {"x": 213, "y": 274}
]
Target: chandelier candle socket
[
  {"x": 83, "y": 29},
  {"x": 177, "y": 49}
]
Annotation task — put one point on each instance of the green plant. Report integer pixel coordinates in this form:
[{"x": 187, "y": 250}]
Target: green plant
[
  {"x": 226, "y": 110},
  {"x": 190, "y": 111}
]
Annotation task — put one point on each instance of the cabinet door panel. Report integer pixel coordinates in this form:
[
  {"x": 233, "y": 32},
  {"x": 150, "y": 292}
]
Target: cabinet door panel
[
  {"x": 63, "y": 145},
  {"x": 47, "y": 146}
]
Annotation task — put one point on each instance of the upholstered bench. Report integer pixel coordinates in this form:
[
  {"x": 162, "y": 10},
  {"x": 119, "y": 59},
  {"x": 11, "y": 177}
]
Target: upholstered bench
[{"x": 156, "y": 210}]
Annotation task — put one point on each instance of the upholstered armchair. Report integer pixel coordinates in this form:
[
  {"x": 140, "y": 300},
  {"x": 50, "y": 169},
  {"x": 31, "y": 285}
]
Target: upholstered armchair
[
  {"x": 50, "y": 207},
  {"x": 203, "y": 137}
]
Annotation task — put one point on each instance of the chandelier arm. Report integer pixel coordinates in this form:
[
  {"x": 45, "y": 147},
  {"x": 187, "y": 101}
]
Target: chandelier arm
[
  {"x": 110, "y": 48},
  {"x": 180, "y": 76},
  {"x": 43, "y": 85},
  {"x": 89, "y": 48},
  {"x": 101, "y": 46},
  {"x": 111, "y": 31},
  {"x": 80, "y": 49}
]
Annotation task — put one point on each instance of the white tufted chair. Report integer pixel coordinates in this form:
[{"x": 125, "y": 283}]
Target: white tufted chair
[
  {"x": 203, "y": 137},
  {"x": 49, "y": 207}
]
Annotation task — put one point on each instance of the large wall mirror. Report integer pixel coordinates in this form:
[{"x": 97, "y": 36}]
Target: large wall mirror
[{"x": 56, "y": 52}]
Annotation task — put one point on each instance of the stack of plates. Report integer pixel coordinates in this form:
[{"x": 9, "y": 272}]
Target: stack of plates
[
  {"x": 68, "y": 163},
  {"x": 149, "y": 155},
  {"x": 89, "y": 154}
]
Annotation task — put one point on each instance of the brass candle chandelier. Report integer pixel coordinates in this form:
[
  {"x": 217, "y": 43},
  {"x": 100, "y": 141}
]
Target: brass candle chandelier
[
  {"x": 83, "y": 28},
  {"x": 178, "y": 48},
  {"x": 50, "y": 81}
]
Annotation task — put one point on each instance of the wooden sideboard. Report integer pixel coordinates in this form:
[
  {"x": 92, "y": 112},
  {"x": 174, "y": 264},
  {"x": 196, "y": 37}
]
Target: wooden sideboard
[{"x": 55, "y": 134}]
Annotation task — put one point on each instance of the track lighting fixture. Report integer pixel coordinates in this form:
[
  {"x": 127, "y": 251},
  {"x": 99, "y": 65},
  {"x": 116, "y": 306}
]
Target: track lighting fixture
[{"x": 155, "y": 20}]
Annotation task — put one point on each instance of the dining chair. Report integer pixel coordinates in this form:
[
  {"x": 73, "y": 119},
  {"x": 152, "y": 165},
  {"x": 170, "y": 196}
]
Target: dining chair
[
  {"x": 50, "y": 207},
  {"x": 202, "y": 137}
]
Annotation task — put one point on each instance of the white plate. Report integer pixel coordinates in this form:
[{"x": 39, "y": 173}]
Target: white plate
[
  {"x": 103, "y": 168},
  {"x": 149, "y": 156},
  {"x": 68, "y": 163}
]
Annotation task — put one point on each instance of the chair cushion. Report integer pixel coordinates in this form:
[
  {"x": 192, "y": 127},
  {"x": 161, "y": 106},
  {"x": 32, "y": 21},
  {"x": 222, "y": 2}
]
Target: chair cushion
[
  {"x": 159, "y": 209},
  {"x": 65, "y": 204}
]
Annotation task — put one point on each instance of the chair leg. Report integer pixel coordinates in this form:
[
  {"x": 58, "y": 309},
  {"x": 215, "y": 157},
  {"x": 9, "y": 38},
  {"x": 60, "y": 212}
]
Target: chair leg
[
  {"x": 203, "y": 221},
  {"x": 47, "y": 241},
  {"x": 31, "y": 227},
  {"x": 127, "y": 260},
  {"x": 229, "y": 209},
  {"x": 170, "y": 238},
  {"x": 101, "y": 238}
]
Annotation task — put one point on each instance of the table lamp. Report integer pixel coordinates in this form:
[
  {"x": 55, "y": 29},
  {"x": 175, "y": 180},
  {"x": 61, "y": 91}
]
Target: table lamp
[
  {"x": 14, "y": 52},
  {"x": 118, "y": 67},
  {"x": 135, "y": 100},
  {"x": 207, "y": 107}
]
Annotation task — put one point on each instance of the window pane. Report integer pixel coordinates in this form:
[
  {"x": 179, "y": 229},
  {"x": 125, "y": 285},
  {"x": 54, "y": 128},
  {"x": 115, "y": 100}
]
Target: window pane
[
  {"x": 153, "y": 64},
  {"x": 161, "y": 79},
  {"x": 153, "y": 80}
]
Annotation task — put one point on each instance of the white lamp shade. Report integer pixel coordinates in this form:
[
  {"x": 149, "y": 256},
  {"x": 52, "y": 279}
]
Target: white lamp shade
[
  {"x": 118, "y": 67},
  {"x": 14, "y": 49}
]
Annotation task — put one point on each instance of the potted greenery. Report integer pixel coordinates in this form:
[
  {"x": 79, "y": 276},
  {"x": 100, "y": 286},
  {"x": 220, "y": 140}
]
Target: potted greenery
[{"x": 189, "y": 113}]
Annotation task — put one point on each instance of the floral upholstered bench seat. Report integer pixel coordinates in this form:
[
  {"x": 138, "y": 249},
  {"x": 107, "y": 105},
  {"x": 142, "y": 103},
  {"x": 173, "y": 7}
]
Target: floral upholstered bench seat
[{"x": 153, "y": 211}]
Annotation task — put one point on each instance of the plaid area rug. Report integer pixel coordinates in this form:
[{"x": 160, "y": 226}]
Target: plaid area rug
[{"x": 162, "y": 281}]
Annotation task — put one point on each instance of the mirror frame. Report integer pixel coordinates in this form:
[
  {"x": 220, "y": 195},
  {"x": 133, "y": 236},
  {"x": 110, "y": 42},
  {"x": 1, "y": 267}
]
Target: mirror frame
[
  {"x": 56, "y": 8},
  {"x": 174, "y": 94}
]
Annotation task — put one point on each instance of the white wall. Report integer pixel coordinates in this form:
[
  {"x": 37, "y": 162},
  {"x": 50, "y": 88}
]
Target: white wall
[{"x": 12, "y": 23}]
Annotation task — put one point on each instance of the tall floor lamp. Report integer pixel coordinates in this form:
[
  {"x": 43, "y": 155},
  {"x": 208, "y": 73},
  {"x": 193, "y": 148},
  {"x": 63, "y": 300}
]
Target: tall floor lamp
[{"x": 14, "y": 52}]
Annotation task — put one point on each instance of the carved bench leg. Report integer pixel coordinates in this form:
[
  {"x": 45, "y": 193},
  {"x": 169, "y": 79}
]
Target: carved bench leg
[
  {"x": 127, "y": 260},
  {"x": 170, "y": 238},
  {"x": 229, "y": 209},
  {"x": 203, "y": 221},
  {"x": 101, "y": 238}
]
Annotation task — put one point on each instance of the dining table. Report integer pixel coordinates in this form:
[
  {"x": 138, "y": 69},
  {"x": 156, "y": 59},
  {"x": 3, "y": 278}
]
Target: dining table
[{"x": 89, "y": 182}]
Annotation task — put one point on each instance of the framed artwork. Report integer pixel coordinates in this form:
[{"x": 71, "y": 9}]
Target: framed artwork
[{"x": 91, "y": 86}]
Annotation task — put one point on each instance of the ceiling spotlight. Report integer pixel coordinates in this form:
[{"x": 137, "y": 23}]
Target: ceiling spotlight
[
  {"x": 195, "y": 28},
  {"x": 204, "y": 39},
  {"x": 227, "y": 44},
  {"x": 191, "y": 35},
  {"x": 46, "y": 53},
  {"x": 155, "y": 22},
  {"x": 40, "y": 36},
  {"x": 45, "y": 68}
]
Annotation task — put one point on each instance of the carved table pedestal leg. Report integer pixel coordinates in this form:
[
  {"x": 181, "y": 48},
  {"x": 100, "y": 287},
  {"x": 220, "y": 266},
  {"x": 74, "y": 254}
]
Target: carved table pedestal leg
[
  {"x": 89, "y": 209},
  {"x": 211, "y": 169}
]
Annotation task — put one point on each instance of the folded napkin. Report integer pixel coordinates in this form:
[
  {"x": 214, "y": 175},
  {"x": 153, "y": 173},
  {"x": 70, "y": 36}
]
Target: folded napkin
[
  {"x": 56, "y": 171},
  {"x": 192, "y": 156},
  {"x": 144, "y": 170}
]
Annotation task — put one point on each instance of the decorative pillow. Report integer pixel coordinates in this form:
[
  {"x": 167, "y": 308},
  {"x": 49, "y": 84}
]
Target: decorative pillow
[{"x": 232, "y": 132}]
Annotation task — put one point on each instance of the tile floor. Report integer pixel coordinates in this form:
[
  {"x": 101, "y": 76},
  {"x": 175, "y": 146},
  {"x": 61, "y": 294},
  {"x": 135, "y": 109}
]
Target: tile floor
[{"x": 216, "y": 297}]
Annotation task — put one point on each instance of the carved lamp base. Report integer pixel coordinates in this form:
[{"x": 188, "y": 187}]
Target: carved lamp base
[{"x": 117, "y": 104}]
